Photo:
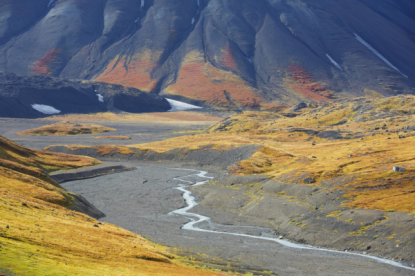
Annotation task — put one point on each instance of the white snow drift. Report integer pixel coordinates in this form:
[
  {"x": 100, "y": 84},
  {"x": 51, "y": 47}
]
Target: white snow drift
[
  {"x": 141, "y": 7},
  {"x": 100, "y": 98},
  {"x": 45, "y": 109},
  {"x": 181, "y": 106},
  {"x": 378, "y": 54},
  {"x": 334, "y": 62}
]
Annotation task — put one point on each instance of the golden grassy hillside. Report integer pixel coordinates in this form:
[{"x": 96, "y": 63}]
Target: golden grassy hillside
[
  {"x": 39, "y": 236},
  {"x": 44, "y": 160},
  {"x": 358, "y": 141},
  {"x": 67, "y": 128}
]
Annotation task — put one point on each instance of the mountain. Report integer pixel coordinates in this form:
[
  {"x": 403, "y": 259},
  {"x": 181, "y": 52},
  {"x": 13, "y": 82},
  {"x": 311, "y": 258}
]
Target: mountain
[
  {"x": 232, "y": 53},
  {"x": 41, "y": 96}
]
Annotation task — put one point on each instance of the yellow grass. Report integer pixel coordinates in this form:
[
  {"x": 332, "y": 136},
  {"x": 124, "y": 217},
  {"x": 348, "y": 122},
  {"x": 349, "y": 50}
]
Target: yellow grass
[
  {"x": 194, "y": 142},
  {"x": 44, "y": 160},
  {"x": 47, "y": 239},
  {"x": 67, "y": 128}
]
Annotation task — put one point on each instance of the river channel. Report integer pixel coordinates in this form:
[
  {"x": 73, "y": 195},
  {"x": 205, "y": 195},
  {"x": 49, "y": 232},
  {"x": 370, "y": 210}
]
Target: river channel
[{"x": 156, "y": 202}]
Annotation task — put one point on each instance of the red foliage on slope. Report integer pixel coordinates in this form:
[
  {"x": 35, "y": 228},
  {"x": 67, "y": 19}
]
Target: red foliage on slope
[
  {"x": 137, "y": 76},
  {"x": 202, "y": 81},
  {"x": 41, "y": 67},
  {"x": 228, "y": 60},
  {"x": 306, "y": 85}
]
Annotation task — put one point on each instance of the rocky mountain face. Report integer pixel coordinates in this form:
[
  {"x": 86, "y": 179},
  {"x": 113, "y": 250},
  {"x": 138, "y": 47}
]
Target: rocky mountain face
[
  {"x": 41, "y": 96},
  {"x": 233, "y": 53}
]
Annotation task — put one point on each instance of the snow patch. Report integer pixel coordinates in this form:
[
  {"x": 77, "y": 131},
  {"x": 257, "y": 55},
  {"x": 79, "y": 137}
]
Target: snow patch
[
  {"x": 50, "y": 2},
  {"x": 378, "y": 54},
  {"x": 194, "y": 17},
  {"x": 180, "y": 106},
  {"x": 250, "y": 59},
  {"x": 141, "y": 7},
  {"x": 45, "y": 109},
  {"x": 334, "y": 62},
  {"x": 100, "y": 98}
]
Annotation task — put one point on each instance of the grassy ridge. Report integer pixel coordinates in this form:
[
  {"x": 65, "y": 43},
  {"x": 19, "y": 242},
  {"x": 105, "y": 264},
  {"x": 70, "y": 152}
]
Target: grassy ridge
[{"x": 67, "y": 128}]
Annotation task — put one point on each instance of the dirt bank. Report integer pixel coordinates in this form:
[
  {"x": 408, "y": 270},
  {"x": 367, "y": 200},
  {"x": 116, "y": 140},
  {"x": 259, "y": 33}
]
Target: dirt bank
[
  {"x": 206, "y": 156},
  {"x": 88, "y": 172}
]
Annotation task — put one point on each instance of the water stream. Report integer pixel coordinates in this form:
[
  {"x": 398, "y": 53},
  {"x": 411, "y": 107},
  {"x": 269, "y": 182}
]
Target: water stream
[{"x": 196, "y": 219}]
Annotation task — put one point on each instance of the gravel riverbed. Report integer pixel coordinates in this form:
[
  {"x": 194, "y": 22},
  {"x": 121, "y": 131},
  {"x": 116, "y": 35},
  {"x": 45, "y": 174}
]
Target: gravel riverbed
[{"x": 141, "y": 200}]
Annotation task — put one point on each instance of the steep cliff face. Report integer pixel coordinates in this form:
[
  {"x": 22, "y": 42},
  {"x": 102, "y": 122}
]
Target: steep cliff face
[{"x": 234, "y": 53}]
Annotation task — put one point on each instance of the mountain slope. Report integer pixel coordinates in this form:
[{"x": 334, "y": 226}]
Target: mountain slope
[{"x": 235, "y": 53}]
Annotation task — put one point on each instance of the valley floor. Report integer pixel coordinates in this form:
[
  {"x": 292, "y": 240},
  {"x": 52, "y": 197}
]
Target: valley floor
[
  {"x": 311, "y": 178},
  {"x": 138, "y": 131},
  {"x": 140, "y": 201}
]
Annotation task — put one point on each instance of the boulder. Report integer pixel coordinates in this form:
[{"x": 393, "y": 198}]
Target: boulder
[
  {"x": 398, "y": 169},
  {"x": 299, "y": 106},
  {"x": 330, "y": 134}
]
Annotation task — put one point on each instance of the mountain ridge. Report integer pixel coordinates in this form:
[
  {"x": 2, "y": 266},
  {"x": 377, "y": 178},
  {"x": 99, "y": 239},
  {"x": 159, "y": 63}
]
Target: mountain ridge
[{"x": 221, "y": 52}]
